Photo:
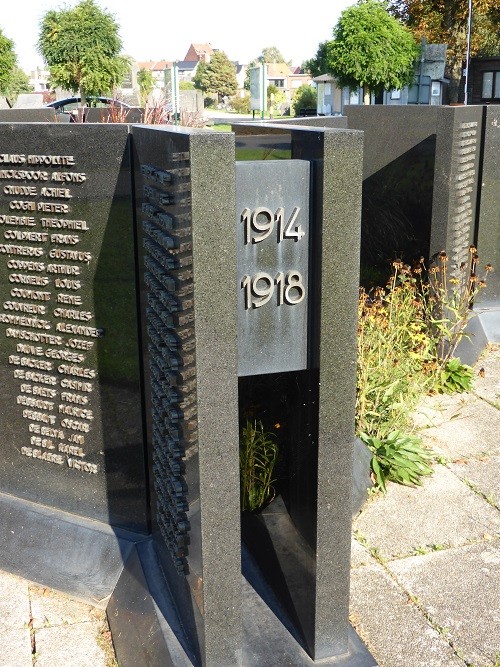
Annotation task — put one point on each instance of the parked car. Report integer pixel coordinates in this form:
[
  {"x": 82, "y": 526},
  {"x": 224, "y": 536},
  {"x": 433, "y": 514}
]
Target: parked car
[{"x": 70, "y": 105}]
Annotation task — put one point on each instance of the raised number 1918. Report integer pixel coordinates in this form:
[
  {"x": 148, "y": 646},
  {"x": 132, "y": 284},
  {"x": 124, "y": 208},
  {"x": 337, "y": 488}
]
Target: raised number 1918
[{"x": 259, "y": 288}]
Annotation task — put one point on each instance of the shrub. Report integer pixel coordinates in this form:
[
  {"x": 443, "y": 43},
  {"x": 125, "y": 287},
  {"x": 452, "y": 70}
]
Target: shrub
[
  {"x": 241, "y": 104},
  {"x": 304, "y": 98}
]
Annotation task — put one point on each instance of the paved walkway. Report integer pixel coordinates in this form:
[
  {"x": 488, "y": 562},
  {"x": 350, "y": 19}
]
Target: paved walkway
[{"x": 425, "y": 587}]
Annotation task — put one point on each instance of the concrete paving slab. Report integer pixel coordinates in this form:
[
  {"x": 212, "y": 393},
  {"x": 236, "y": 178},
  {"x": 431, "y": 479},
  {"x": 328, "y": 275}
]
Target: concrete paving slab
[
  {"x": 463, "y": 425},
  {"x": 75, "y": 645},
  {"x": 15, "y": 648},
  {"x": 487, "y": 381},
  {"x": 460, "y": 589},
  {"x": 50, "y": 608},
  {"x": 394, "y": 630},
  {"x": 483, "y": 474},
  {"x": 14, "y": 602},
  {"x": 437, "y": 409},
  {"x": 443, "y": 511},
  {"x": 359, "y": 554}
]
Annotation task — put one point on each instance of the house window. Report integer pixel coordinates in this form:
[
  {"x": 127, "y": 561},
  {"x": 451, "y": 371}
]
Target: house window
[{"x": 491, "y": 86}]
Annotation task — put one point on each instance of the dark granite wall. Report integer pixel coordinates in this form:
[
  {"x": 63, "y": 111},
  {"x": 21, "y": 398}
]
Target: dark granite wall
[{"x": 70, "y": 363}]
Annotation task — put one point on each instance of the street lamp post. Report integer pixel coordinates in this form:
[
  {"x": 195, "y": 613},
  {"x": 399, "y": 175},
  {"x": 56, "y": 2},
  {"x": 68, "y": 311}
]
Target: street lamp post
[{"x": 467, "y": 57}]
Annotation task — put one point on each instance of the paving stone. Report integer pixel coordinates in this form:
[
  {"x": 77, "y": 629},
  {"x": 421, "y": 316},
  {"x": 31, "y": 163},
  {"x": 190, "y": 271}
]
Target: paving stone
[
  {"x": 14, "y": 602},
  {"x": 484, "y": 474},
  {"x": 74, "y": 645},
  {"x": 50, "y": 608},
  {"x": 393, "y": 628},
  {"x": 15, "y": 647},
  {"x": 461, "y": 425},
  {"x": 460, "y": 588},
  {"x": 443, "y": 511},
  {"x": 487, "y": 382},
  {"x": 359, "y": 554},
  {"x": 436, "y": 409}
]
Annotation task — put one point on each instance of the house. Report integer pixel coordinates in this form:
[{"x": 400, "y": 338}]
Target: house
[
  {"x": 484, "y": 80},
  {"x": 429, "y": 86},
  {"x": 197, "y": 52},
  {"x": 157, "y": 69}
]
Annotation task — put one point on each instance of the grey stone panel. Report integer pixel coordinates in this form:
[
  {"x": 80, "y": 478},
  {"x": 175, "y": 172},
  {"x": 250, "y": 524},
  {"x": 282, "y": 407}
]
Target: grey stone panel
[
  {"x": 456, "y": 180},
  {"x": 340, "y": 219},
  {"x": 488, "y": 243},
  {"x": 40, "y": 115},
  {"x": 390, "y": 132},
  {"x": 197, "y": 199},
  {"x": 66, "y": 204}
]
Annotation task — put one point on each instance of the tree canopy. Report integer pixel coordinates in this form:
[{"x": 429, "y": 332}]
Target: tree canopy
[
  {"x": 217, "y": 76},
  {"x": 370, "y": 49},
  {"x": 7, "y": 63},
  {"x": 271, "y": 54},
  {"x": 446, "y": 22},
  {"x": 81, "y": 47},
  {"x": 319, "y": 64}
]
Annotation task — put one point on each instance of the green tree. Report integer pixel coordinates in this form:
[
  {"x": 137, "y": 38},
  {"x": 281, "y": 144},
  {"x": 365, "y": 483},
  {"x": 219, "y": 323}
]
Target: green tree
[
  {"x": 271, "y": 54},
  {"x": 81, "y": 47},
  {"x": 146, "y": 83},
  {"x": 7, "y": 63},
  {"x": 370, "y": 49},
  {"x": 319, "y": 64},
  {"x": 19, "y": 83},
  {"x": 446, "y": 22},
  {"x": 218, "y": 76}
]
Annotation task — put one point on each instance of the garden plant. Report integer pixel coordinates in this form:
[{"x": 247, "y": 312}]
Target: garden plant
[{"x": 408, "y": 334}]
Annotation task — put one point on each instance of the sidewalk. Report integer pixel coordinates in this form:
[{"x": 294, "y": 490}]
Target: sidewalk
[
  {"x": 425, "y": 586},
  {"x": 425, "y": 583}
]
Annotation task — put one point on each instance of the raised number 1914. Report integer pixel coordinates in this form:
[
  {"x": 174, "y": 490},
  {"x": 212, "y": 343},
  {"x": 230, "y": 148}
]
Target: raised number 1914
[{"x": 260, "y": 223}]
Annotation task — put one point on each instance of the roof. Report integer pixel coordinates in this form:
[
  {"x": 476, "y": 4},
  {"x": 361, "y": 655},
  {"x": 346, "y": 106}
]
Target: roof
[
  {"x": 154, "y": 65},
  {"x": 324, "y": 78},
  {"x": 187, "y": 64},
  {"x": 202, "y": 48}
]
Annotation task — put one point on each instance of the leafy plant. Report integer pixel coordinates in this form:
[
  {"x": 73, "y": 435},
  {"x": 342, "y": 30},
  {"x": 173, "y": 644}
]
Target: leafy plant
[
  {"x": 305, "y": 97},
  {"x": 408, "y": 333},
  {"x": 398, "y": 457},
  {"x": 454, "y": 377},
  {"x": 258, "y": 457},
  {"x": 393, "y": 346}
]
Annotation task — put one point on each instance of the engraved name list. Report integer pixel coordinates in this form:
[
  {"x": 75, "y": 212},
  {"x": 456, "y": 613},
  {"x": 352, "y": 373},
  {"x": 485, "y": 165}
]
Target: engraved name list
[{"x": 48, "y": 327}]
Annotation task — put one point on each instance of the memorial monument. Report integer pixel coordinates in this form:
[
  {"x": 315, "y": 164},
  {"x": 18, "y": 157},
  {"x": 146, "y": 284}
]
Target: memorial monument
[{"x": 152, "y": 285}]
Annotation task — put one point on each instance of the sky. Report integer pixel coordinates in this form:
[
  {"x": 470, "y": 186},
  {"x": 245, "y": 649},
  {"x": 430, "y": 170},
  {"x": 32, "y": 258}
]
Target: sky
[{"x": 156, "y": 30}]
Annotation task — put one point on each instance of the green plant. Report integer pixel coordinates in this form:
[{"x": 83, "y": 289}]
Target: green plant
[
  {"x": 454, "y": 377},
  {"x": 305, "y": 98},
  {"x": 241, "y": 104},
  {"x": 393, "y": 349},
  {"x": 258, "y": 457},
  {"x": 399, "y": 458},
  {"x": 408, "y": 333}
]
